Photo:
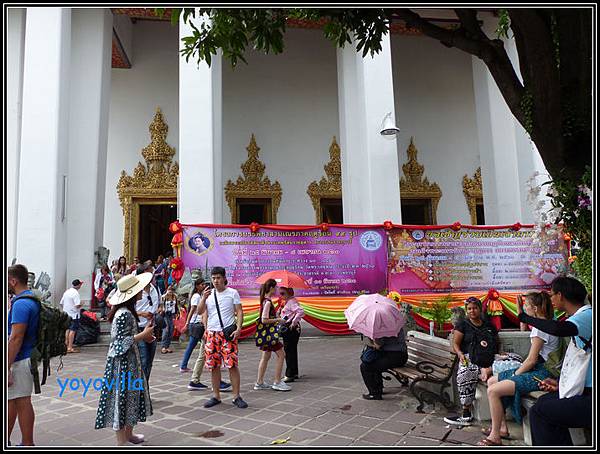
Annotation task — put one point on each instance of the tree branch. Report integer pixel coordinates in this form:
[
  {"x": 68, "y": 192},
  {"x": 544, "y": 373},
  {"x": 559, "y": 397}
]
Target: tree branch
[{"x": 491, "y": 52}]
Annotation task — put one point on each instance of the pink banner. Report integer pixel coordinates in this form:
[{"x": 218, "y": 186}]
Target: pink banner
[
  {"x": 430, "y": 260},
  {"x": 338, "y": 261}
]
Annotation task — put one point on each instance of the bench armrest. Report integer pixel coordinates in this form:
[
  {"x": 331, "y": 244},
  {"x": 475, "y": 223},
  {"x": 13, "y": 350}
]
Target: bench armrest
[{"x": 428, "y": 367}]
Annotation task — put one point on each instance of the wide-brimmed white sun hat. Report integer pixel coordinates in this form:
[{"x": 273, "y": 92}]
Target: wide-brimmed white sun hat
[{"x": 129, "y": 286}]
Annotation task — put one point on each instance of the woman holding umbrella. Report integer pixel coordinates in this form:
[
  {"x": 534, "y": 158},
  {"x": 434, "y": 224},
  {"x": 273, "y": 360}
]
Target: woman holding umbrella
[{"x": 381, "y": 321}]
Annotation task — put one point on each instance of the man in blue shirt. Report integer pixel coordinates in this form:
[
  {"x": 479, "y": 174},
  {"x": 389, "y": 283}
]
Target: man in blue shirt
[
  {"x": 551, "y": 417},
  {"x": 23, "y": 320}
]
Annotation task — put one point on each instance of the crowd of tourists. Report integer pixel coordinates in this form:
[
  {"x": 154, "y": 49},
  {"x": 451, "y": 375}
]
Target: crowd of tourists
[{"x": 143, "y": 294}]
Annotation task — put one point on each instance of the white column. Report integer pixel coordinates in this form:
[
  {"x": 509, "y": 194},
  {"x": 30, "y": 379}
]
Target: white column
[
  {"x": 200, "y": 186},
  {"x": 15, "y": 47},
  {"x": 528, "y": 156},
  {"x": 370, "y": 181},
  {"x": 41, "y": 228},
  {"x": 88, "y": 136},
  {"x": 508, "y": 157}
]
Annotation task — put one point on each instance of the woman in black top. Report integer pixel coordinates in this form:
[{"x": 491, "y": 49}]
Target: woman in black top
[{"x": 475, "y": 343}]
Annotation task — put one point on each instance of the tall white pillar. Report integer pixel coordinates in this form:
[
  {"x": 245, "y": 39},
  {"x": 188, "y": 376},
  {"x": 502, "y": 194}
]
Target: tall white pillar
[
  {"x": 88, "y": 136},
  {"x": 508, "y": 157},
  {"x": 200, "y": 186},
  {"x": 370, "y": 181},
  {"x": 41, "y": 223},
  {"x": 15, "y": 47}
]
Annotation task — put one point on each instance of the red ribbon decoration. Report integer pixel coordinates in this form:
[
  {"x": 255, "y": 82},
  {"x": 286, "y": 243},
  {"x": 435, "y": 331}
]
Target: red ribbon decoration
[
  {"x": 175, "y": 227},
  {"x": 254, "y": 227},
  {"x": 456, "y": 226},
  {"x": 324, "y": 227},
  {"x": 388, "y": 225},
  {"x": 177, "y": 266},
  {"x": 517, "y": 226}
]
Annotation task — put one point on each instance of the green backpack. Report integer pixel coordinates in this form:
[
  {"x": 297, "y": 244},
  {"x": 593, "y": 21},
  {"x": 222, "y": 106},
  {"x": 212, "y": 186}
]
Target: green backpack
[
  {"x": 555, "y": 359},
  {"x": 52, "y": 326}
]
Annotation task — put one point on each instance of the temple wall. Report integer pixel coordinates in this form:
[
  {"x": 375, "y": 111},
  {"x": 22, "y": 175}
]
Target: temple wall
[{"x": 290, "y": 103}]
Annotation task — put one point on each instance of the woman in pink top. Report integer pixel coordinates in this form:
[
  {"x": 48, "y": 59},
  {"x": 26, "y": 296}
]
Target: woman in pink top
[{"x": 292, "y": 313}]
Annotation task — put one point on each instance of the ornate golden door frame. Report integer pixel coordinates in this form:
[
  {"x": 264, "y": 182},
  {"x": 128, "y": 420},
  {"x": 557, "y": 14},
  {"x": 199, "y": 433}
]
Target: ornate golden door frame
[
  {"x": 414, "y": 186},
  {"x": 132, "y": 219},
  {"x": 330, "y": 186},
  {"x": 152, "y": 184},
  {"x": 253, "y": 185}
]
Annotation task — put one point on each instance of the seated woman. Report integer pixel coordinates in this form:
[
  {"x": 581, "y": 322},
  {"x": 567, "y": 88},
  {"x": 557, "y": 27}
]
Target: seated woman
[
  {"x": 475, "y": 344},
  {"x": 506, "y": 389},
  {"x": 390, "y": 352}
]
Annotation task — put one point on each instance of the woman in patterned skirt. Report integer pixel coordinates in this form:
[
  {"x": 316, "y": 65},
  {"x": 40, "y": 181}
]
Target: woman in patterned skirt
[
  {"x": 125, "y": 398},
  {"x": 269, "y": 319}
]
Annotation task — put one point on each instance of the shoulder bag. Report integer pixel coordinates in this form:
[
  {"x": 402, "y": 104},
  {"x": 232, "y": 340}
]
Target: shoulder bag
[{"x": 227, "y": 330}]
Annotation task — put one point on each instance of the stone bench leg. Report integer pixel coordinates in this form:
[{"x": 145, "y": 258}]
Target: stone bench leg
[{"x": 481, "y": 406}]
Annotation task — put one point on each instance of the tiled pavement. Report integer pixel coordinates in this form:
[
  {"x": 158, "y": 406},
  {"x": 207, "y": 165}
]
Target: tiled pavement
[{"x": 324, "y": 408}]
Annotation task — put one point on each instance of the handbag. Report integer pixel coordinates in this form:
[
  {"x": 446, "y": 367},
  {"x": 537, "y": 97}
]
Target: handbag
[
  {"x": 574, "y": 369},
  {"x": 368, "y": 355},
  {"x": 227, "y": 330},
  {"x": 266, "y": 335},
  {"x": 197, "y": 330}
]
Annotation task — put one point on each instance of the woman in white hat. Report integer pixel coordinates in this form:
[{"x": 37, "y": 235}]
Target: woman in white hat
[{"x": 125, "y": 398}]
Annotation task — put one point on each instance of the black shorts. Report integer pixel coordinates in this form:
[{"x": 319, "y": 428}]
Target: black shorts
[{"x": 74, "y": 324}]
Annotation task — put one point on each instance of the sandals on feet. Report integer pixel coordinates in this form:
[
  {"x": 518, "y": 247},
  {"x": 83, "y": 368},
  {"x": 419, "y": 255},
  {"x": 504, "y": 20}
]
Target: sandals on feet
[
  {"x": 488, "y": 442},
  {"x": 488, "y": 430},
  {"x": 136, "y": 439},
  {"x": 164, "y": 350}
]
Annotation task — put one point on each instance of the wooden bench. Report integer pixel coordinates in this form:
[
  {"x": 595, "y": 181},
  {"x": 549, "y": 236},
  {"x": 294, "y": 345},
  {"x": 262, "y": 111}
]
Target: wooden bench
[{"x": 431, "y": 364}]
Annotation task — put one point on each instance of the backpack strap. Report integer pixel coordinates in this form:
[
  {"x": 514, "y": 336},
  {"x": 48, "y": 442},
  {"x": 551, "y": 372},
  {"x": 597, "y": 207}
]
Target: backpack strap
[{"x": 587, "y": 344}]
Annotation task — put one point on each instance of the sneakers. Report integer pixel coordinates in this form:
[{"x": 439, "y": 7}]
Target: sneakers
[
  {"x": 197, "y": 386},
  {"x": 225, "y": 387},
  {"x": 183, "y": 371},
  {"x": 287, "y": 379},
  {"x": 239, "y": 402},
  {"x": 212, "y": 402},
  {"x": 261, "y": 386},
  {"x": 464, "y": 420},
  {"x": 281, "y": 386}
]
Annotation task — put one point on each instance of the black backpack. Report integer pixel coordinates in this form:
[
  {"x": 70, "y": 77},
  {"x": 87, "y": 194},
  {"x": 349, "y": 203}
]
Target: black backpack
[{"x": 483, "y": 346}]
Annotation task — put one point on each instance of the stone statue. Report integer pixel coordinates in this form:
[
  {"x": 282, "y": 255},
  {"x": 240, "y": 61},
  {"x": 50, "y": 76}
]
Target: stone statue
[
  {"x": 186, "y": 284},
  {"x": 101, "y": 256},
  {"x": 41, "y": 288}
]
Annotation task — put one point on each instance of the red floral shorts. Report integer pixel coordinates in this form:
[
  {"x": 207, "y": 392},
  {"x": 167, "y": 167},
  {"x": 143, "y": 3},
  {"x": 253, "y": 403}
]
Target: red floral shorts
[{"x": 220, "y": 351}]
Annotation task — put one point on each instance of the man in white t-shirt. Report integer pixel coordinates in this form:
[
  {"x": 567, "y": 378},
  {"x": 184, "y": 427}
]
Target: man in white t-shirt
[
  {"x": 71, "y": 304},
  {"x": 224, "y": 314},
  {"x": 146, "y": 308}
]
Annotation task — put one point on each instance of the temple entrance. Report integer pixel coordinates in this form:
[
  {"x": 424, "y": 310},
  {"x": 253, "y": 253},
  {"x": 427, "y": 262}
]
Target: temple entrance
[{"x": 154, "y": 238}]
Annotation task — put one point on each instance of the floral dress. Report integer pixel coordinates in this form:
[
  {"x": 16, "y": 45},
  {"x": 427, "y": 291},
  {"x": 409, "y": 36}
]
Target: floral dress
[{"x": 124, "y": 396}]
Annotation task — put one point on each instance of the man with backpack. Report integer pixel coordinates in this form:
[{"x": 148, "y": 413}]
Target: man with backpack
[{"x": 23, "y": 321}]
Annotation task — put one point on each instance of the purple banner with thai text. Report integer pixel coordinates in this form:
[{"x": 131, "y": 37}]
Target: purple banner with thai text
[{"x": 338, "y": 261}]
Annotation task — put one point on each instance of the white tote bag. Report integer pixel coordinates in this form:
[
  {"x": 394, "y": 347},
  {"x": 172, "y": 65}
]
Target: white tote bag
[{"x": 574, "y": 370}]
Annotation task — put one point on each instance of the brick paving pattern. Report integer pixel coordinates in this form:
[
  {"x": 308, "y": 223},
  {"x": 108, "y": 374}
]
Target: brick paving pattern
[{"x": 324, "y": 408}]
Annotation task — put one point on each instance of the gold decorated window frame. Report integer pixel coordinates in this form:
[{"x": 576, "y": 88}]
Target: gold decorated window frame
[
  {"x": 413, "y": 186},
  {"x": 252, "y": 184},
  {"x": 473, "y": 191},
  {"x": 330, "y": 186}
]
